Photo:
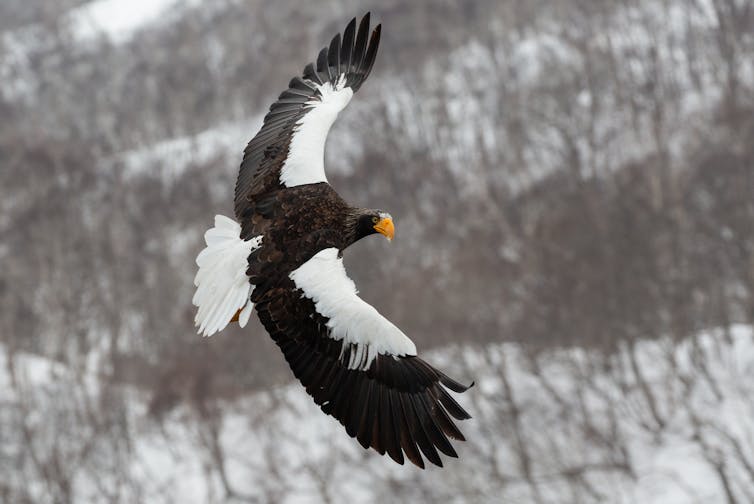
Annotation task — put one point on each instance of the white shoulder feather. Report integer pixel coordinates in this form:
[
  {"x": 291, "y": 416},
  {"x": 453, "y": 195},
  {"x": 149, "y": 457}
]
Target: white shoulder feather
[
  {"x": 305, "y": 163},
  {"x": 323, "y": 279}
]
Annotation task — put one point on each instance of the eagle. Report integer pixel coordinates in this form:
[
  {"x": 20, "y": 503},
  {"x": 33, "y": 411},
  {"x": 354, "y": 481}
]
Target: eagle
[{"x": 283, "y": 255}]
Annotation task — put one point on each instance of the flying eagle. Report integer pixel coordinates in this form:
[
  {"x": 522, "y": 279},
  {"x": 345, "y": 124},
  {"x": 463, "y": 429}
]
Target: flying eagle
[{"x": 283, "y": 256}]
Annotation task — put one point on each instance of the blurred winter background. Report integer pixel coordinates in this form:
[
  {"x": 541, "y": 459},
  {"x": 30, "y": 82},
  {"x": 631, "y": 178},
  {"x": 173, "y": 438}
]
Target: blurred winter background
[{"x": 573, "y": 186}]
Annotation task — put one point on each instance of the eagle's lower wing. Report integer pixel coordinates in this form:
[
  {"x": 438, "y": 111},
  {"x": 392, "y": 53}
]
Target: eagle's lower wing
[
  {"x": 289, "y": 148},
  {"x": 358, "y": 366}
]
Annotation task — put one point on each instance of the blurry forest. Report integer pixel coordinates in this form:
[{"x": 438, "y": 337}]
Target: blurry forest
[{"x": 573, "y": 189}]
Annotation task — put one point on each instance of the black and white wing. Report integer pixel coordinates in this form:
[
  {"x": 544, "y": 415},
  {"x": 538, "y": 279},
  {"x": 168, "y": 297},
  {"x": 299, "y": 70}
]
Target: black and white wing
[
  {"x": 289, "y": 149},
  {"x": 358, "y": 366}
]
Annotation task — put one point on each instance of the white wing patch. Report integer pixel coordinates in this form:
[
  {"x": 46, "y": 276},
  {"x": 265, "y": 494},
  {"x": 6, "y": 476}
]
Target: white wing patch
[
  {"x": 305, "y": 163},
  {"x": 323, "y": 279},
  {"x": 222, "y": 287}
]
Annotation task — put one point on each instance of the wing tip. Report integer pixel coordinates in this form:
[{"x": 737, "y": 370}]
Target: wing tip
[
  {"x": 454, "y": 385},
  {"x": 355, "y": 52}
]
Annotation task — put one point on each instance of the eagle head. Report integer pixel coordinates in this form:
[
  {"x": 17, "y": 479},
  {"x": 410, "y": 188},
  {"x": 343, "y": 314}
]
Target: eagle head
[{"x": 374, "y": 221}]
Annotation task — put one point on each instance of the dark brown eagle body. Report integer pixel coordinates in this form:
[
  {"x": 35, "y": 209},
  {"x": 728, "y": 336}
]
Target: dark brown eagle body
[
  {"x": 291, "y": 232},
  {"x": 297, "y": 223}
]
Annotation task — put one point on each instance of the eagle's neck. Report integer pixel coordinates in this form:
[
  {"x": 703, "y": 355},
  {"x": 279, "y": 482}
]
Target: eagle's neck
[{"x": 356, "y": 225}]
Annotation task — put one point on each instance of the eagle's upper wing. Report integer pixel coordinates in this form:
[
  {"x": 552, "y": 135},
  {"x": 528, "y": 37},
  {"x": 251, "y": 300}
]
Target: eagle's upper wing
[
  {"x": 289, "y": 149},
  {"x": 359, "y": 367}
]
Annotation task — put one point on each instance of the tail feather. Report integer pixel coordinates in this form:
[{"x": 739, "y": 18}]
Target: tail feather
[{"x": 222, "y": 288}]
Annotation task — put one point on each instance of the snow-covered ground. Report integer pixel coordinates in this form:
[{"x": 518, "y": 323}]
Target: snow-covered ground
[{"x": 661, "y": 427}]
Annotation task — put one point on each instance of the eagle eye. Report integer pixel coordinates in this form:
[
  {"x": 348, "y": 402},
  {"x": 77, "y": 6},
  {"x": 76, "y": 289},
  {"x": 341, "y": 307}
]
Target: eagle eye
[{"x": 375, "y": 219}]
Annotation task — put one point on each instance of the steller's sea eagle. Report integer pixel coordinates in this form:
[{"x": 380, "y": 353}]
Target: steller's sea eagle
[{"x": 283, "y": 256}]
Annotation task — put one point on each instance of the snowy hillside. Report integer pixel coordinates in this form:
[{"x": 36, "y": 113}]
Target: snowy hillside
[
  {"x": 676, "y": 435},
  {"x": 571, "y": 184}
]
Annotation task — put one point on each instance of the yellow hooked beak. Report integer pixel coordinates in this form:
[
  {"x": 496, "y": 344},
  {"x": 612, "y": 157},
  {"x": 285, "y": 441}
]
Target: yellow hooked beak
[{"x": 385, "y": 227}]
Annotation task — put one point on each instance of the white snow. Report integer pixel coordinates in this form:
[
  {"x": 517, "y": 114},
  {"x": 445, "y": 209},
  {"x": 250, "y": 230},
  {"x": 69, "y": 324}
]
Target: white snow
[
  {"x": 171, "y": 157},
  {"x": 117, "y": 19},
  {"x": 278, "y": 443}
]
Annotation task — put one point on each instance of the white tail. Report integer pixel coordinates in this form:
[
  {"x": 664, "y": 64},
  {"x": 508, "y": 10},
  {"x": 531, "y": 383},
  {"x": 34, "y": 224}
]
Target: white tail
[{"x": 222, "y": 287}]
